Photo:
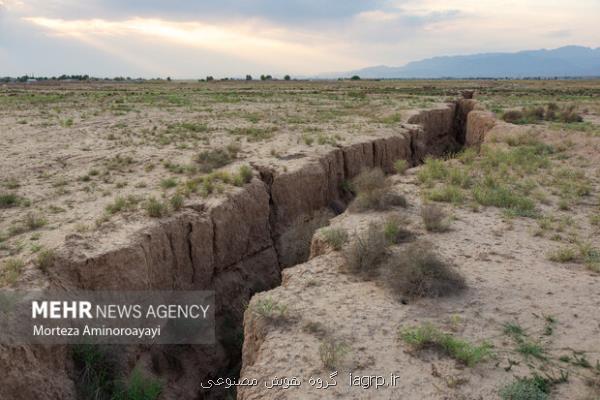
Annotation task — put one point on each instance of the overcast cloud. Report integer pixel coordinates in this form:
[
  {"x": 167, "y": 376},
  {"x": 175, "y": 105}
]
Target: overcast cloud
[{"x": 192, "y": 39}]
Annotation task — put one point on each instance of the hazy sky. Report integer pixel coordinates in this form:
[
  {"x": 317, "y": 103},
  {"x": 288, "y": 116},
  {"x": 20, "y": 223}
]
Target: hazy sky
[{"x": 194, "y": 38}]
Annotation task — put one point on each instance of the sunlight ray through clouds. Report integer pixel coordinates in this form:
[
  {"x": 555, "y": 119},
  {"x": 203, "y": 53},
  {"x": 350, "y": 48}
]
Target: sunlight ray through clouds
[{"x": 242, "y": 41}]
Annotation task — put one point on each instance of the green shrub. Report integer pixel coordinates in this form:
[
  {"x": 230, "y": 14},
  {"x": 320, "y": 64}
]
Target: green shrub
[
  {"x": 400, "y": 166},
  {"x": 155, "y": 208},
  {"x": 121, "y": 203},
  {"x": 395, "y": 232},
  {"x": 11, "y": 270},
  {"x": 139, "y": 387},
  {"x": 432, "y": 170},
  {"x": 335, "y": 237},
  {"x": 168, "y": 183},
  {"x": 96, "y": 371},
  {"x": 8, "y": 200},
  {"x": 563, "y": 255},
  {"x": 535, "y": 388},
  {"x": 531, "y": 349},
  {"x": 446, "y": 194},
  {"x": 504, "y": 197},
  {"x": 45, "y": 259},
  {"x": 427, "y": 336},
  {"x": 513, "y": 330},
  {"x": 176, "y": 202},
  {"x": 270, "y": 309},
  {"x": 245, "y": 173}
]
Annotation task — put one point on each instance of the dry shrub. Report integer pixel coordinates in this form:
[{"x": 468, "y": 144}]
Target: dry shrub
[
  {"x": 210, "y": 160},
  {"x": 419, "y": 272},
  {"x": 569, "y": 115},
  {"x": 374, "y": 192},
  {"x": 534, "y": 113},
  {"x": 512, "y": 116},
  {"x": 434, "y": 218},
  {"x": 364, "y": 255},
  {"x": 369, "y": 180},
  {"x": 294, "y": 243}
]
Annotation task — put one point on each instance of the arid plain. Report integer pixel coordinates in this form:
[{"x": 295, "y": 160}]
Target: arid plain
[{"x": 364, "y": 227}]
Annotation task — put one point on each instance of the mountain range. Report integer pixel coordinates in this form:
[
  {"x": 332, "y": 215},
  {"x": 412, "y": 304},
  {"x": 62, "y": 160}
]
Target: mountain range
[{"x": 568, "y": 61}]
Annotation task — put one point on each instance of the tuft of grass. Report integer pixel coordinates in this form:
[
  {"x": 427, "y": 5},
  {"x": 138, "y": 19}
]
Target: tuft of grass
[
  {"x": 210, "y": 160},
  {"x": 534, "y": 388},
  {"x": 428, "y": 336},
  {"x": 12, "y": 183},
  {"x": 116, "y": 206},
  {"x": 155, "y": 208},
  {"x": 34, "y": 221},
  {"x": 45, "y": 259},
  {"x": 332, "y": 353},
  {"x": 121, "y": 203},
  {"x": 233, "y": 149},
  {"x": 255, "y": 134},
  {"x": 9, "y": 200},
  {"x": 395, "y": 232},
  {"x": 176, "y": 202},
  {"x": 335, "y": 237},
  {"x": 270, "y": 309},
  {"x": 504, "y": 197},
  {"x": 243, "y": 176},
  {"x": 531, "y": 349},
  {"x": 168, "y": 183},
  {"x": 374, "y": 192},
  {"x": 364, "y": 255},
  {"x": 11, "y": 270},
  {"x": 590, "y": 257},
  {"x": 419, "y": 272},
  {"x": 435, "y": 218},
  {"x": 96, "y": 371},
  {"x": 563, "y": 255},
  {"x": 432, "y": 170},
  {"x": 139, "y": 387},
  {"x": 513, "y": 330},
  {"x": 308, "y": 139},
  {"x": 400, "y": 166},
  {"x": 446, "y": 194}
]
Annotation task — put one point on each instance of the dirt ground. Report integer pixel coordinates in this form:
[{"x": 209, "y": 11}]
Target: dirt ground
[
  {"x": 93, "y": 163},
  {"x": 514, "y": 281}
]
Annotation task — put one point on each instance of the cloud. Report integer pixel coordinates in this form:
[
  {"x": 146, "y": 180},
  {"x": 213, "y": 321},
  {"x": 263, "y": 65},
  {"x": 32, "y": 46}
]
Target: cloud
[
  {"x": 269, "y": 46},
  {"x": 193, "y": 38},
  {"x": 289, "y": 11}
]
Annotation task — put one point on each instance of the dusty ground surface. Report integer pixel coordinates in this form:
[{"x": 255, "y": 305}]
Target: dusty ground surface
[
  {"x": 513, "y": 278},
  {"x": 82, "y": 160},
  {"x": 80, "y": 164}
]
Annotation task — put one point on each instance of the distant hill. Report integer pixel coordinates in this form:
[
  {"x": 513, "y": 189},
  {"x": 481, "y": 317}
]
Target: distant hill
[{"x": 572, "y": 61}]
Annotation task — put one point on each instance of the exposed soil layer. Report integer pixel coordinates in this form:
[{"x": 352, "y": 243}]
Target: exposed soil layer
[{"x": 235, "y": 245}]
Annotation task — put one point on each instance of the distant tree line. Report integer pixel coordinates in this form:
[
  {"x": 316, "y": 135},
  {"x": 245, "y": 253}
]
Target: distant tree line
[{"x": 265, "y": 77}]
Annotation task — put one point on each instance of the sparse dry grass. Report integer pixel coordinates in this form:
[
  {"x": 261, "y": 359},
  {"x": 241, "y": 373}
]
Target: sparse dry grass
[
  {"x": 364, "y": 255},
  {"x": 373, "y": 192},
  {"x": 435, "y": 218},
  {"x": 417, "y": 271}
]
